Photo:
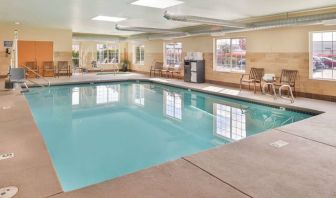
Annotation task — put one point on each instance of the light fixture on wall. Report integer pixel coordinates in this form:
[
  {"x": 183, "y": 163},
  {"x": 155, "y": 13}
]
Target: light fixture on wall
[
  {"x": 108, "y": 18},
  {"x": 17, "y": 23},
  {"x": 157, "y": 4}
]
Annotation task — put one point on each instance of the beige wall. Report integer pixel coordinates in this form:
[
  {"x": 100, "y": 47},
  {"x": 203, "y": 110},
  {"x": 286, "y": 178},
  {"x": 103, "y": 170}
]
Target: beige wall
[
  {"x": 274, "y": 49},
  {"x": 153, "y": 52},
  {"x": 62, "y": 41}
]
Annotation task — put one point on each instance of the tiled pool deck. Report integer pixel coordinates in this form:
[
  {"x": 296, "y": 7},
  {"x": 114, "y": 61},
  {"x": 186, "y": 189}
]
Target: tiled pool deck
[{"x": 306, "y": 167}]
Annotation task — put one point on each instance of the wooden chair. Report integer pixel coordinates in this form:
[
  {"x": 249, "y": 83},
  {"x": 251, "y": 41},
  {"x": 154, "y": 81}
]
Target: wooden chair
[
  {"x": 176, "y": 70},
  {"x": 157, "y": 67},
  {"x": 63, "y": 67},
  {"x": 33, "y": 69},
  {"x": 48, "y": 67},
  {"x": 166, "y": 71},
  {"x": 254, "y": 77},
  {"x": 288, "y": 77}
]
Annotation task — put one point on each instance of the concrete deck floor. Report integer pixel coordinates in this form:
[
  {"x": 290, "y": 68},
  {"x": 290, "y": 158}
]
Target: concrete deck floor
[{"x": 306, "y": 167}]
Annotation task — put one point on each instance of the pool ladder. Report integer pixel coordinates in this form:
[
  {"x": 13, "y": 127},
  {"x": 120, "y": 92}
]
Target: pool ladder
[{"x": 274, "y": 94}]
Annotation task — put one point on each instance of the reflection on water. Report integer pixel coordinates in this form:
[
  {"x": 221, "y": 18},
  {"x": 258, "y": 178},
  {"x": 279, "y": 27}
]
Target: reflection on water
[
  {"x": 75, "y": 96},
  {"x": 229, "y": 122},
  {"x": 103, "y": 94},
  {"x": 138, "y": 93},
  {"x": 172, "y": 105},
  {"x": 108, "y": 94}
]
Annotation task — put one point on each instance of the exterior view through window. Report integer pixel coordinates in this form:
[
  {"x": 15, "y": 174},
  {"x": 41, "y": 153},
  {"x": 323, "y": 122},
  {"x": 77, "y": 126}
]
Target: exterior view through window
[
  {"x": 323, "y": 55},
  {"x": 230, "y": 55},
  {"x": 75, "y": 55},
  {"x": 107, "y": 53},
  {"x": 173, "y": 53}
]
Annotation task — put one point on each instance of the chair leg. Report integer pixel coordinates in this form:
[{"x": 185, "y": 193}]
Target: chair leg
[
  {"x": 249, "y": 87},
  {"x": 294, "y": 91},
  {"x": 240, "y": 86},
  {"x": 255, "y": 88}
]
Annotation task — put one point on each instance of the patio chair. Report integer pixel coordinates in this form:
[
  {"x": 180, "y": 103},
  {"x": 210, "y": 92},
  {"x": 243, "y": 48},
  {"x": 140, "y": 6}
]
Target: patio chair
[
  {"x": 157, "y": 67},
  {"x": 288, "y": 77},
  {"x": 17, "y": 75},
  {"x": 63, "y": 67},
  {"x": 33, "y": 69},
  {"x": 165, "y": 71},
  {"x": 175, "y": 70},
  {"x": 48, "y": 67},
  {"x": 253, "y": 77}
]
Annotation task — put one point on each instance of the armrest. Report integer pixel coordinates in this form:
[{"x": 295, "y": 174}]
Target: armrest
[{"x": 242, "y": 76}]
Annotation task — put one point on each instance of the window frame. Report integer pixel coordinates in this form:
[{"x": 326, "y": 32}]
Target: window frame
[
  {"x": 109, "y": 46},
  {"x": 141, "y": 46},
  {"x": 73, "y": 51},
  {"x": 165, "y": 53},
  {"x": 311, "y": 67},
  {"x": 214, "y": 67}
]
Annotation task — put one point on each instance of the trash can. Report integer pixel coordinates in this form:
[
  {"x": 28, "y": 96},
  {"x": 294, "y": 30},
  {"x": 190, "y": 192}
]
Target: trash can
[{"x": 9, "y": 84}]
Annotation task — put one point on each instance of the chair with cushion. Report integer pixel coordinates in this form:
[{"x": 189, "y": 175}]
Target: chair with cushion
[
  {"x": 254, "y": 77},
  {"x": 63, "y": 68},
  {"x": 32, "y": 69},
  {"x": 48, "y": 68}
]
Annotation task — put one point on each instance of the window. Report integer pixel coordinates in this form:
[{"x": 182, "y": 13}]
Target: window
[
  {"x": 173, "y": 53},
  {"x": 323, "y": 55},
  {"x": 107, "y": 94},
  {"x": 230, "y": 55},
  {"x": 230, "y": 122},
  {"x": 139, "y": 55},
  {"x": 107, "y": 53},
  {"x": 172, "y": 105},
  {"x": 75, "y": 55}
]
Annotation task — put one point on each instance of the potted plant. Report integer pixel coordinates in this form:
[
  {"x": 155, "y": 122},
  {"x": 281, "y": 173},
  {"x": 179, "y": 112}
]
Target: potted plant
[{"x": 125, "y": 63}]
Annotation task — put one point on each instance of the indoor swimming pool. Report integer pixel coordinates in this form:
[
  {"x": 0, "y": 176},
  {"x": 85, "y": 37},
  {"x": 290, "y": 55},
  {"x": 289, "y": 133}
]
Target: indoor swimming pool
[{"x": 96, "y": 132}]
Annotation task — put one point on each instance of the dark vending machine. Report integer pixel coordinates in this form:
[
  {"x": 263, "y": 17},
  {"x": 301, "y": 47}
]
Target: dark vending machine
[{"x": 194, "y": 71}]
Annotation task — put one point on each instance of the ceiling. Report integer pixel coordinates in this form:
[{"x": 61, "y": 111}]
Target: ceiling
[{"x": 77, "y": 14}]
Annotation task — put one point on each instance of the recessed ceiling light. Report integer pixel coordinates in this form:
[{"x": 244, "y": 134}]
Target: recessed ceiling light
[
  {"x": 157, "y": 4},
  {"x": 109, "y": 19}
]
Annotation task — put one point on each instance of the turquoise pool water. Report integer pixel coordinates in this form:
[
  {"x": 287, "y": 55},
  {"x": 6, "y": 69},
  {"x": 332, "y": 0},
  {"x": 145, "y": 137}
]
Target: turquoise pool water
[{"x": 98, "y": 132}]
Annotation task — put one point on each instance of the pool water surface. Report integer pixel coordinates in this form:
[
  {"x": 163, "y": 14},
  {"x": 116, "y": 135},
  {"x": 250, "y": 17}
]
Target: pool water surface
[{"x": 98, "y": 132}]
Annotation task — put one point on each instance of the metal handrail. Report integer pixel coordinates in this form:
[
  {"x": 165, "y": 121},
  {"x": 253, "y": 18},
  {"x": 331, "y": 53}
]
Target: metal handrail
[
  {"x": 290, "y": 93},
  {"x": 115, "y": 69},
  {"x": 39, "y": 75}
]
